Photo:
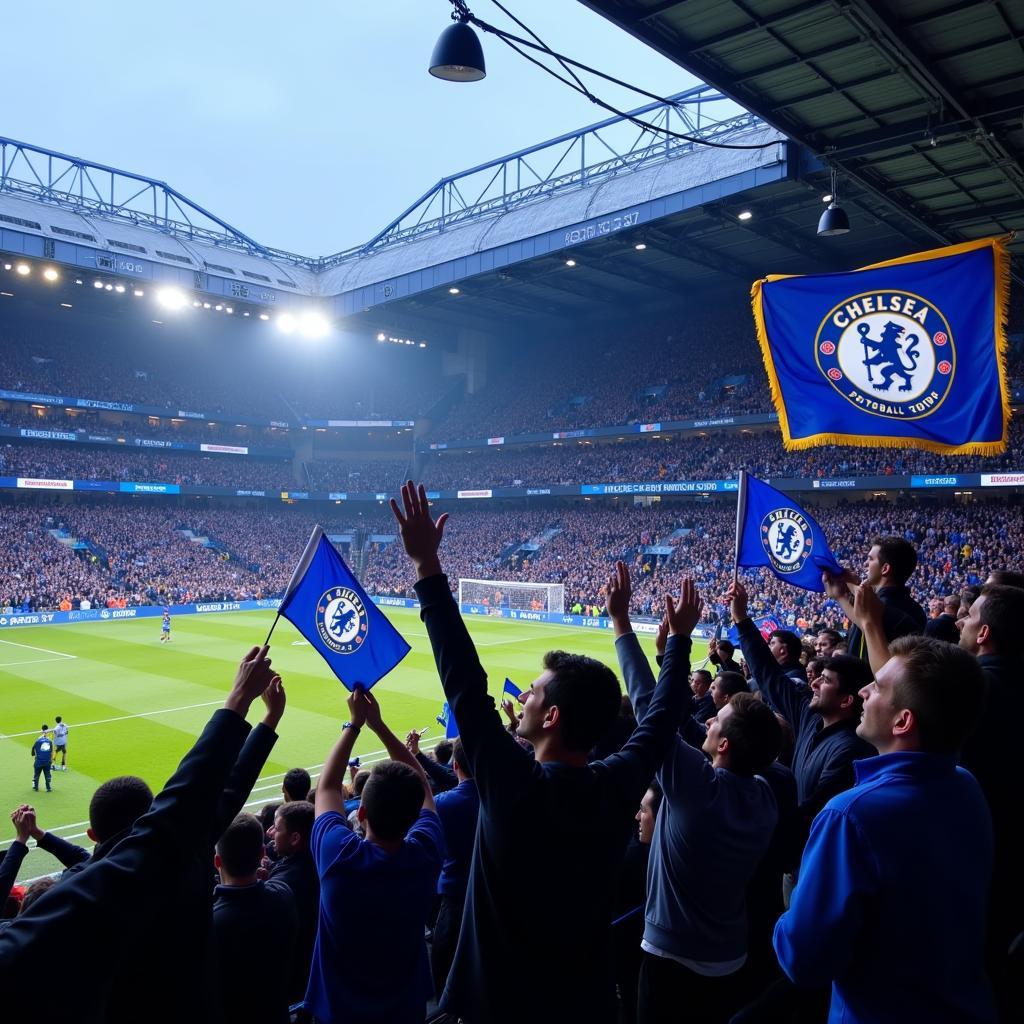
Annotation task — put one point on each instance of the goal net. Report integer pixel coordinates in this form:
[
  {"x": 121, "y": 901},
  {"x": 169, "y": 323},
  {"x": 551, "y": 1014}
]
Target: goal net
[{"x": 539, "y": 597}]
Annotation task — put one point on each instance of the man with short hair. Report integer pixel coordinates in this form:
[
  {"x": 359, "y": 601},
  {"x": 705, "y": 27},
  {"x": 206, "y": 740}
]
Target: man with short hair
[
  {"x": 296, "y": 785},
  {"x": 244, "y": 906},
  {"x": 370, "y": 958},
  {"x": 890, "y": 562},
  {"x": 296, "y": 870},
  {"x": 458, "y": 809},
  {"x": 943, "y": 626},
  {"x": 785, "y": 647},
  {"x": 877, "y": 912},
  {"x": 703, "y": 702},
  {"x": 825, "y": 642},
  {"x": 720, "y": 654},
  {"x": 60, "y": 742},
  {"x": 714, "y": 826},
  {"x": 42, "y": 759},
  {"x": 554, "y": 809},
  {"x": 725, "y": 686},
  {"x": 824, "y": 718}
]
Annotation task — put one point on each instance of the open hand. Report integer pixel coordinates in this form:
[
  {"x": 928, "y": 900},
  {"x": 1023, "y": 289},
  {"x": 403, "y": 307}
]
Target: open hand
[
  {"x": 421, "y": 534},
  {"x": 274, "y": 698},
  {"x": 738, "y": 601},
  {"x": 620, "y": 590},
  {"x": 251, "y": 679},
  {"x": 683, "y": 613},
  {"x": 661, "y": 636},
  {"x": 867, "y": 606}
]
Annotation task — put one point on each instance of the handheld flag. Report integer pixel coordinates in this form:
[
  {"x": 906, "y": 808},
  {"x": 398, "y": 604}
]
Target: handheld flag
[
  {"x": 447, "y": 719},
  {"x": 910, "y": 353},
  {"x": 326, "y": 604},
  {"x": 774, "y": 531},
  {"x": 512, "y": 690},
  {"x": 766, "y": 626}
]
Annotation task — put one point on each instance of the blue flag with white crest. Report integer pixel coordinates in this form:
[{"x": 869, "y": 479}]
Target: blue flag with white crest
[
  {"x": 773, "y": 531},
  {"x": 909, "y": 353},
  {"x": 326, "y": 604}
]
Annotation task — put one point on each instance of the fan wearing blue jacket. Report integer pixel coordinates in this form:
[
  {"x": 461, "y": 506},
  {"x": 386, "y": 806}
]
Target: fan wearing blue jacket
[{"x": 891, "y": 903}]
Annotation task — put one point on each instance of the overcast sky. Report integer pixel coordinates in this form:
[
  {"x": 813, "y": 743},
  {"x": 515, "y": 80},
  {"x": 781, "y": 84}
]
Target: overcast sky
[{"x": 308, "y": 125}]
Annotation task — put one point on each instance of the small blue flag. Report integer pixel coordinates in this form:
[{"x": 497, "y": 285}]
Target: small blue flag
[
  {"x": 774, "y": 531},
  {"x": 326, "y": 604},
  {"x": 766, "y": 626},
  {"x": 910, "y": 353},
  {"x": 447, "y": 719},
  {"x": 512, "y": 690}
]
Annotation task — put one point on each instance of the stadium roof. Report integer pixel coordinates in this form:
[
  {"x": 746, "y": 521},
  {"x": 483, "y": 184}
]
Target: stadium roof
[{"x": 918, "y": 103}]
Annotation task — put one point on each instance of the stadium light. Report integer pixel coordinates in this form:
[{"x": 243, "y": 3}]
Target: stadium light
[
  {"x": 119, "y": 288},
  {"x": 97, "y": 284},
  {"x": 640, "y": 246},
  {"x": 458, "y": 55},
  {"x": 171, "y": 298},
  {"x": 50, "y": 274},
  {"x": 24, "y": 269},
  {"x": 570, "y": 263},
  {"x": 745, "y": 215},
  {"x": 833, "y": 220},
  {"x": 264, "y": 316},
  {"x": 139, "y": 293},
  {"x": 313, "y": 324},
  {"x": 381, "y": 336},
  {"x": 286, "y": 323},
  {"x": 453, "y": 291},
  {"x": 109, "y": 287},
  {"x": 827, "y": 198},
  {"x": 7, "y": 266}
]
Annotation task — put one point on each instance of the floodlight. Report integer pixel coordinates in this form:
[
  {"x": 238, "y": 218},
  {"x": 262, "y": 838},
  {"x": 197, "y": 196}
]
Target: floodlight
[
  {"x": 745, "y": 214},
  {"x": 313, "y": 324},
  {"x": 834, "y": 221},
  {"x": 286, "y": 323},
  {"x": 109, "y": 287},
  {"x": 640, "y": 246},
  {"x": 97, "y": 284},
  {"x": 570, "y": 263},
  {"x": 171, "y": 298},
  {"x": 119, "y": 288},
  {"x": 50, "y": 274},
  {"x": 453, "y": 291},
  {"x": 264, "y": 316},
  {"x": 139, "y": 293},
  {"x": 458, "y": 55},
  {"x": 24, "y": 269},
  {"x": 381, "y": 336}
]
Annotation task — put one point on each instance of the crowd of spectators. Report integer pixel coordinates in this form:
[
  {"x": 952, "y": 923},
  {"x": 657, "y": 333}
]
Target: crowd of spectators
[
  {"x": 715, "y": 456},
  {"x": 70, "y": 462},
  {"x": 146, "y": 558},
  {"x": 360, "y": 475},
  {"x": 792, "y": 824}
]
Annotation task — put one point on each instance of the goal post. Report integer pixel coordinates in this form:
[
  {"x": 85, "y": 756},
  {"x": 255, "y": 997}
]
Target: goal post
[{"x": 542, "y": 597}]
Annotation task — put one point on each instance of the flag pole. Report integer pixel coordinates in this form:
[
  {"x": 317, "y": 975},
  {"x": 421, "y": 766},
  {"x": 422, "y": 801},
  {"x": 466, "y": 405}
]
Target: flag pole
[
  {"x": 741, "y": 514},
  {"x": 300, "y": 571}
]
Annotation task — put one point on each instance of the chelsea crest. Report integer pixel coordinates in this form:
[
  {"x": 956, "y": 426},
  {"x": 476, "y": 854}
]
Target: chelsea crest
[
  {"x": 786, "y": 539},
  {"x": 888, "y": 353},
  {"x": 341, "y": 620}
]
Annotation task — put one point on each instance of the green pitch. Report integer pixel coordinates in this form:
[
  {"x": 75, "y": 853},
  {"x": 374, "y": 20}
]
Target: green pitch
[{"x": 134, "y": 706}]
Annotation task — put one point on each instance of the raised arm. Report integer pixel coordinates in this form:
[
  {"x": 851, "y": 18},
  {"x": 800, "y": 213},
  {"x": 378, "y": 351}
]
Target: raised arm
[
  {"x": 395, "y": 748},
  {"x": 868, "y": 613},
  {"x": 330, "y": 796},
  {"x": 779, "y": 690},
  {"x": 499, "y": 764},
  {"x": 636, "y": 669},
  {"x": 654, "y": 741},
  {"x": 442, "y": 778},
  {"x": 251, "y": 760}
]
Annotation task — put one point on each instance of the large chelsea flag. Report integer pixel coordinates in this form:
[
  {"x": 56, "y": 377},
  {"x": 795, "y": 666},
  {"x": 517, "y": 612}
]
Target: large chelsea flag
[{"x": 910, "y": 353}]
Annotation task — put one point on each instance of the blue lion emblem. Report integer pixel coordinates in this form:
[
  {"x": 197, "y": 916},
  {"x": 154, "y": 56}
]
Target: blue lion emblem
[
  {"x": 787, "y": 541},
  {"x": 342, "y": 620}
]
